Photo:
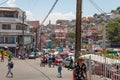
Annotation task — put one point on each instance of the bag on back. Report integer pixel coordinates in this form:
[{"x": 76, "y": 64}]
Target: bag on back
[{"x": 11, "y": 64}]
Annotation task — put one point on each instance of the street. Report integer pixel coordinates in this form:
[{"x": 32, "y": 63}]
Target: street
[{"x": 30, "y": 69}]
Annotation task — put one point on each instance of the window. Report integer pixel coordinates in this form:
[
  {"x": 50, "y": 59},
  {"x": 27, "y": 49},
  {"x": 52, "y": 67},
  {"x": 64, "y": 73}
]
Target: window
[
  {"x": 18, "y": 27},
  {"x": 10, "y": 14},
  {"x": 1, "y": 39},
  {"x": 10, "y": 40},
  {"x": 6, "y": 26}
]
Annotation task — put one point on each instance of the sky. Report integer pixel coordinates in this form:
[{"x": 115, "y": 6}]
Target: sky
[{"x": 64, "y": 9}]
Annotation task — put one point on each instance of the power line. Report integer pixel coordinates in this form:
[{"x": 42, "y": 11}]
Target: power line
[
  {"x": 45, "y": 19},
  {"x": 3, "y": 2},
  {"x": 96, "y": 6},
  {"x": 49, "y": 12}
]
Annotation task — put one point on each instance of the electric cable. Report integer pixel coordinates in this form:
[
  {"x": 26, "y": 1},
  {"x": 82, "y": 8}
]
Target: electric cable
[
  {"x": 49, "y": 12},
  {"x": 96, "y": 6},
  {"x": 3, "y": 2},
  {"x": 40, "y": 27}
]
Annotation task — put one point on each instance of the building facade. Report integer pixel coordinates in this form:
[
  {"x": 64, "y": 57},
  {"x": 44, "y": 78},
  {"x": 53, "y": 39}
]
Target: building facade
[{"x": 14, "y": 31}]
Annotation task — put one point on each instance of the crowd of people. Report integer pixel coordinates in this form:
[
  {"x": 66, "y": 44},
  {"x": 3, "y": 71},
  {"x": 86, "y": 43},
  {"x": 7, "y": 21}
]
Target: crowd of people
[
  {"x": 80, "y": 69},
  {"x": 48, "y": 59}
]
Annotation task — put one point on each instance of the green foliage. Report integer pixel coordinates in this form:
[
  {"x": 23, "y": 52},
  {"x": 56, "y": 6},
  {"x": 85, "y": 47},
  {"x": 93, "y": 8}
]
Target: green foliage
[
  {"x": 117, "y": 11},
  {"x": 58, "y": 42},
  {"x": 70, "y": 39},
  {"x": 84, "y": 52},
  {"x": 113, "y": 29},
  {"x": 113, "y": 11},
  {"x": 96, "y": 15},
  {"x": 72, "y": 33},
  {"x": 118, "y": 8},
  {"x": 113, "y": 56},
  {"x": 1, "y": 50}
]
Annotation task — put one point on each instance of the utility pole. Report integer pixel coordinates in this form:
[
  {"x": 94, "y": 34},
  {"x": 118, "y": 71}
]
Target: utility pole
[
  {"x": 104, "y": 36},
  {"x": 36, "y": 37},
  {"x": 23, "y": 17},
  {"x": 78, "y": 29},
  {"x": 104, "y": 44},
  {"x": 40, "y": 37}
]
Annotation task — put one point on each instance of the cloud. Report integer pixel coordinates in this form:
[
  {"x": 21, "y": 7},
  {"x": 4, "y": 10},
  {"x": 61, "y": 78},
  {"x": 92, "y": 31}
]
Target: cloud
[
  {"x": 29, "y": 15},
  {"x": 57, "y": 15},
  {"x": 11, "y": 3}
]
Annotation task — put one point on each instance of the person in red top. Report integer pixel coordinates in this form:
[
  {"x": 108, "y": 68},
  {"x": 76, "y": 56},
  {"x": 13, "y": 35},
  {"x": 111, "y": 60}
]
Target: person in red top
[
  {"x": 44, "y": 59},
  {"x": 2, "y": 56}
]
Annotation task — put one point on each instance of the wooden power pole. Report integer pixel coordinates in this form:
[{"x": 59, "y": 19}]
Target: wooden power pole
[
  {"x": 23, "y": 25},
  {"x": 78, "y": 29}
]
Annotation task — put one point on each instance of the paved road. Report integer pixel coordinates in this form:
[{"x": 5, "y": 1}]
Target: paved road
[{"x": 30, "y": 70}]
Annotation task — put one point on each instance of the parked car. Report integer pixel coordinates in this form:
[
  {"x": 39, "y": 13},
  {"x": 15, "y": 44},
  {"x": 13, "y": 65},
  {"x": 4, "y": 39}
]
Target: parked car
[
  {"x": 38, "y": 54},
  {"x": 58, "y": 59},
  {"x": 32, "y": 55},
  {"x": 71, "y": 55},
  {"x": 45, "y": 51},
  {"x": 66, "y": 62}
]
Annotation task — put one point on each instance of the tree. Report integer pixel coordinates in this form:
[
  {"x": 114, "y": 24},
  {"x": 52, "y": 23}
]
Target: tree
[
  {"x": 72, "y": 34},
  {"x": 95, "y": 15},
  {"x": 113, "y": 11},
  {"x": 113, "y": 29},
  {"x": 118, "y": 8},
  {"x": 117, "y": 11}
]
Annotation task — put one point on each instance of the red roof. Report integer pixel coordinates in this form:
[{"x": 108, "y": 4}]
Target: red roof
[
  {"x": 35, "y": 24},
  {"x": 62, "y": 21}
]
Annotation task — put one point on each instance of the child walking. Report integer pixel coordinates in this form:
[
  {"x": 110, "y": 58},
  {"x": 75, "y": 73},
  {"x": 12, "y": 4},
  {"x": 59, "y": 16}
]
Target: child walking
[
  {"x": 59, "y": 70},
  {"x": 10, "y": 66}
]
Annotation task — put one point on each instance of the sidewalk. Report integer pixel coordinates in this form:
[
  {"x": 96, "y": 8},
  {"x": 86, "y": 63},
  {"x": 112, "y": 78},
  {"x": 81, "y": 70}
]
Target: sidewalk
[{"x": 29, "y": 69}]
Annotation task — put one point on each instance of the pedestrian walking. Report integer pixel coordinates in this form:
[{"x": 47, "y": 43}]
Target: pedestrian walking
[
  {"x": 59, "y": 70},
  {"x": 53, "y": 60},
  {"x": 10, "y": 55},
  {"x": 10, "y": 66},
  {"x": 2, "y": 56},
  {"x": 43, "y": 60},
  {"x": 35, "y": 55},
  {"x": 49, "y": 60},
  {"x": 80, "y": 70}
]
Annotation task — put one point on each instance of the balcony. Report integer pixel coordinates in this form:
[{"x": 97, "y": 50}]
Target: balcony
[
  {"x": 10, "y": 20},
  {"x": 8, "y": 45},
  {"x": 13, "y": 32}
]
